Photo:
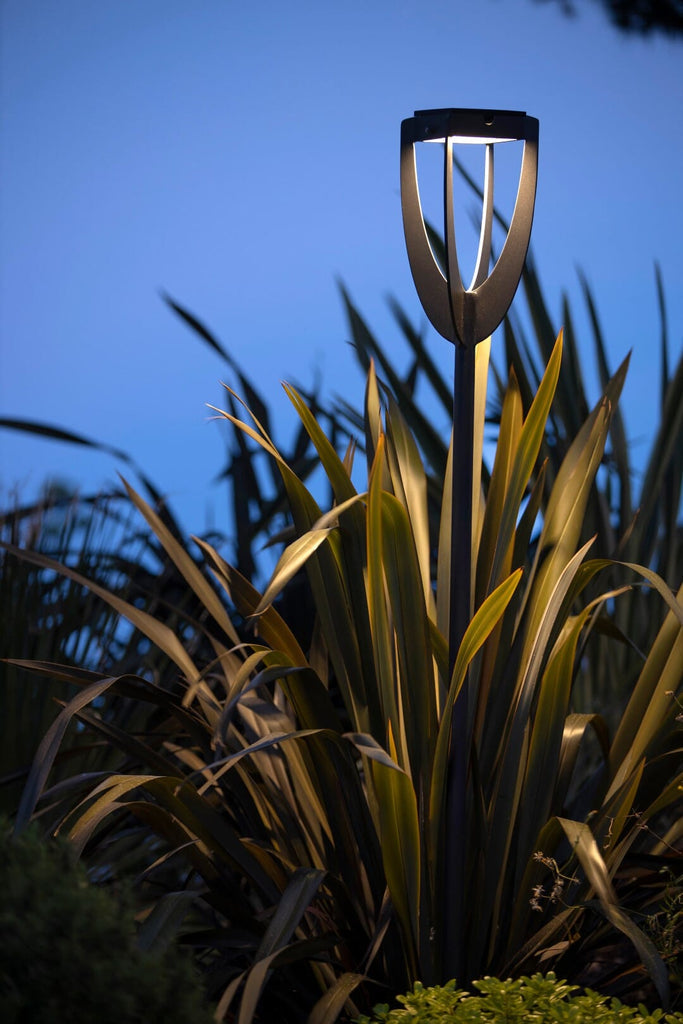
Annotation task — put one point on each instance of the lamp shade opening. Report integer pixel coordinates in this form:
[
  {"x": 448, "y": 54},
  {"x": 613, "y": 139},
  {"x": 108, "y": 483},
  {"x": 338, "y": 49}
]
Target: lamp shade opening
[{"x": 480, "y": 140}]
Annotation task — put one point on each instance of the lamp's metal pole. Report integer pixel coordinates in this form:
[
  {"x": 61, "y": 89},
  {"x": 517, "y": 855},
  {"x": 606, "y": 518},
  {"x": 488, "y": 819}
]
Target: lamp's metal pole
[
  {"x": 459, "y": 617},
  {"x": 463, "y": 313},
  {"x": 461, "y": 516}
]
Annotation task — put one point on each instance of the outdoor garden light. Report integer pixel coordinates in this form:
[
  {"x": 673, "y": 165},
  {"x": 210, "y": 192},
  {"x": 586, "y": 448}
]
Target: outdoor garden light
[
  {"x": 467, "y": 316},
  {"x": 464, "y": 316}
]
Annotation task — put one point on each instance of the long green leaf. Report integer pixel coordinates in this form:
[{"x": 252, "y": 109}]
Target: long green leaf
[
  {"x": 481, "y": 626},
  {"x": 329, "y": 1006},
  {"x": 187, "y": 567},
  {"x": 155, "y": 630},
  {"x": 49, "y": 746},
  {"x": 584, "y": 846}
]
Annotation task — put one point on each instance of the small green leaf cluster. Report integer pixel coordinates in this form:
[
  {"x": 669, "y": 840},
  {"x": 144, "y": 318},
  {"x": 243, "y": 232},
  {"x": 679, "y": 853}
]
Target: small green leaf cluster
[
  {"x": 68, "y": 950},
  {"x": 540, "y": 999}
]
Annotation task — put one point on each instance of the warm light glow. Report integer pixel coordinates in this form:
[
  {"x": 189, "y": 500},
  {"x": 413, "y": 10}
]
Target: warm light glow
[{"x": 470, "y": 139}]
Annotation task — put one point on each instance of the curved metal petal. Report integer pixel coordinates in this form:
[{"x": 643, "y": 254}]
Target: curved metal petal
[
  {"x": 430, "y": 284},
  {"x": 494, "y": 296}
]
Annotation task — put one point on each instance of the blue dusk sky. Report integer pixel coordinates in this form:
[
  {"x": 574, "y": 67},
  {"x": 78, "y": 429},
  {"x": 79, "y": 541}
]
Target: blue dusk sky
[{"x": 243, "y": 157}]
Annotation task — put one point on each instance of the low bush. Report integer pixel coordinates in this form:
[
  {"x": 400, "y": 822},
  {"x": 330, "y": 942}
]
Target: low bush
[
  {"x": 539, "y": 999},
  {"x": 68, "y": 950}
]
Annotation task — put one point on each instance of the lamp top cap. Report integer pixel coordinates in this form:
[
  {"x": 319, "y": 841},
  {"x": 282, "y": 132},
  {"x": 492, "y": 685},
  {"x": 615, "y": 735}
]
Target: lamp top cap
[
  {"x": 473, "y": 111},
  {"x": 468, "y": 122}
]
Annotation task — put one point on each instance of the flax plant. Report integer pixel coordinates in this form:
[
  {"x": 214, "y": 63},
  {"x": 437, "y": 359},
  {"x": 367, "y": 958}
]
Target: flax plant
[
  {"x": 633, "y": 511},
  {"x": 285, "y": 805}
]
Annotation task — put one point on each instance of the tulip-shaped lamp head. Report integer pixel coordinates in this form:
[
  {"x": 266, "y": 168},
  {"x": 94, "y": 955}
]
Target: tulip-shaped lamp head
[{"x": 467, "y": 316}]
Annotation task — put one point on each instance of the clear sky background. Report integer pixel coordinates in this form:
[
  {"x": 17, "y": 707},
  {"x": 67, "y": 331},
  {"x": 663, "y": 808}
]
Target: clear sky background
[{"x": 243, "y": 155}]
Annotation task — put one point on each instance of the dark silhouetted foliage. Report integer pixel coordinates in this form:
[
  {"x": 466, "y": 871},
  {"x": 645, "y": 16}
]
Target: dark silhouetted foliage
[
  {"x": 68, "y": 948},
  {"x": 640, "y": 17}
]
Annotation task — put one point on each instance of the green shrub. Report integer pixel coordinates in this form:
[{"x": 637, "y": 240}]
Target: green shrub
[
  {"x": 539, "y": 999},
  {"x": 68, "y": 949}
]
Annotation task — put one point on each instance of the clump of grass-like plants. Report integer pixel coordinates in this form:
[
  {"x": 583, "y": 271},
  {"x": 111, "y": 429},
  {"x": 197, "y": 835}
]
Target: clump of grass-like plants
[{"x": 287, "y": 795}]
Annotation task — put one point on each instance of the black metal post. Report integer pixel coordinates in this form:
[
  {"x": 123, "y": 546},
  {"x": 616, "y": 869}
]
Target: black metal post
[{"x": 459, "y": 617}]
